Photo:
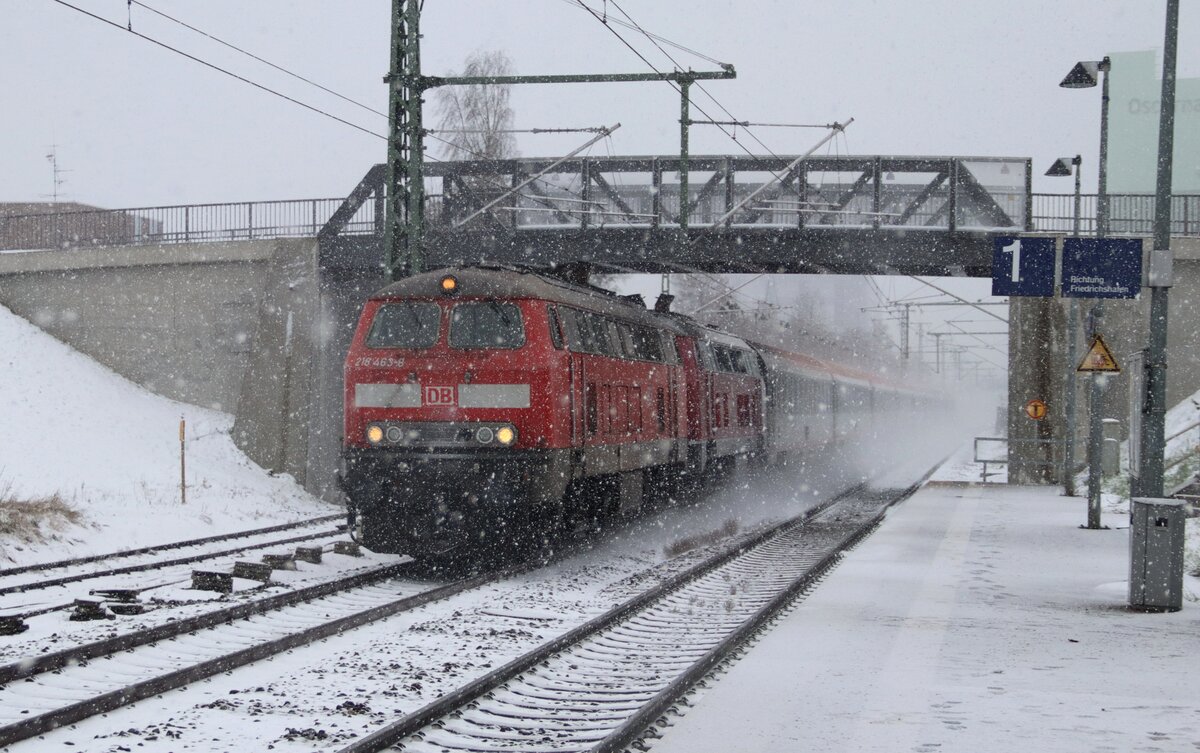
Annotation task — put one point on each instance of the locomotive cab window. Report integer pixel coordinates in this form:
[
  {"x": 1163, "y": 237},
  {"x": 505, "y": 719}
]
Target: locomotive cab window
[
  {"x": 407, "y": 324},
  {"x": 486, "y": 324},
  {"x": 556, "y": 337}
]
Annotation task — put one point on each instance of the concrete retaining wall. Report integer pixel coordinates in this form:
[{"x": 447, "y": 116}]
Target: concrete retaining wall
[{"x": 232, "y": 326}]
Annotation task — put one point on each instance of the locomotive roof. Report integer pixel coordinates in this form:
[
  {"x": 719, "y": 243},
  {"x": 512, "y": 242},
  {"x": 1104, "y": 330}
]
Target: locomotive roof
[
  {"x": 516, "y": 282},
  {"x": 519, "y": 282}
]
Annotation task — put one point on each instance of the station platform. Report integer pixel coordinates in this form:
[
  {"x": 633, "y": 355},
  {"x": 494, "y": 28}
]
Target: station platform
[{"x": 976, "y": 618}]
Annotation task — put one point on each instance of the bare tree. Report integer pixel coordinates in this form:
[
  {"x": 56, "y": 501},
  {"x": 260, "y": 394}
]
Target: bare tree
[{"x": 474, "y": 120}]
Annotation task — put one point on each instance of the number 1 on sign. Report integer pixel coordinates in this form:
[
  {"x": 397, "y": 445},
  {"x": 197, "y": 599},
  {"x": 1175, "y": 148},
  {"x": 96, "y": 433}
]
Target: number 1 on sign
[{"x": 1015, "y": 249}]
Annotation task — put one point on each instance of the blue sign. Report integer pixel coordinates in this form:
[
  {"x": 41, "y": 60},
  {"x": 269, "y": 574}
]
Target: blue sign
[
  {"x": 1023, "y": 266},
  {"x": 1102, "y": 267}
]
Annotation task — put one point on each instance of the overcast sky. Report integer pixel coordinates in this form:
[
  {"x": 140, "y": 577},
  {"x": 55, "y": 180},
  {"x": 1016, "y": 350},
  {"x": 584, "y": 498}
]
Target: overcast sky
[{"x": 137, "y": 125}]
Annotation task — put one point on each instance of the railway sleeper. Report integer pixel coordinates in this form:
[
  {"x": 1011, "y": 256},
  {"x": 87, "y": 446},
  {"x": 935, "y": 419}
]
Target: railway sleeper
[
  {"x": 90, "y": 609},
  {"x": 212, "y": 580},
  {"x": 309, "y": 554},
  {"x": 279, "y": 562},
  {"x": 259, "y": 571}
]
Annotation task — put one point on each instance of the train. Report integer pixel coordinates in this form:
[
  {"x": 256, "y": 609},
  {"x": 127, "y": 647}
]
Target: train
[{"x": 487, "y": 407}]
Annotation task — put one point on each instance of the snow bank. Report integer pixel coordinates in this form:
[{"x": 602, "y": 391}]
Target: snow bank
[{"x": 110, "y": 449}]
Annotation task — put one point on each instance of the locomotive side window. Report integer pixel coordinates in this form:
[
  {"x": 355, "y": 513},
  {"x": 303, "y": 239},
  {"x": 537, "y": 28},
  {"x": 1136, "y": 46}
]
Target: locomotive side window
[
  {"x": 570, "y": 322},
  {"x": 737, "y": 359},
  {"x": 721, "y": 355},
  {"x": 486, "y": 324},
  {"x": 670, "y": 353},
  {"x": 647, "y": 344},
  {"x": 597, "y": 333},
  {"x": 407, "y": 324},
  {"x": 627, "y": 346},
  {"x": 614, "y": 339},
  {"x": 556, "y": 336}
]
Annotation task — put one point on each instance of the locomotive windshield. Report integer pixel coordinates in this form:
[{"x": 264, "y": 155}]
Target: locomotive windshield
[
  {"x": 487, "y": 324},
  {"x": 408, "y": 324}
]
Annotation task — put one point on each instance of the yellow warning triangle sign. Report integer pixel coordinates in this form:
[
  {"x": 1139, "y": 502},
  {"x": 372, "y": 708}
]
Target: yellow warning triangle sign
[{"x": 1099, "y": 358}]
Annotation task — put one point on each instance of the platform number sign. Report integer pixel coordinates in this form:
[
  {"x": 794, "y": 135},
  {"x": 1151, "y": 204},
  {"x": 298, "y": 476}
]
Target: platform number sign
[
  {"x": 439, "y": 395},
  {"x": 1023, "y": 266}
]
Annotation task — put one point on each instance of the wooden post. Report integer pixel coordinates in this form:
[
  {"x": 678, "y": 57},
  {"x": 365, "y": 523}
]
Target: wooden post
[{"x": 182, "y": 463}]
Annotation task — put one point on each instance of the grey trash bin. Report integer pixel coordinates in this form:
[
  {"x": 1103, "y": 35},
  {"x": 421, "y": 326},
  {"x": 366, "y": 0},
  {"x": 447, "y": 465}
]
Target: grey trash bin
[{"x": 1156, "y": 554}]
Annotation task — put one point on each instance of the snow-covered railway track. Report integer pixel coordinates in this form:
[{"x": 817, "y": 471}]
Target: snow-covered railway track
[
  {"x": 600, "y": 686},
  {"x": 43, "y": 693},
  {"x": 144, "y": 560}
]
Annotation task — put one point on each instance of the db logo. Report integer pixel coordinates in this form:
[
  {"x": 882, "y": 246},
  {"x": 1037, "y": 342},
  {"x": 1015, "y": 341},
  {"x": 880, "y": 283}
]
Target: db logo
[{"x": 439, "y": 395}]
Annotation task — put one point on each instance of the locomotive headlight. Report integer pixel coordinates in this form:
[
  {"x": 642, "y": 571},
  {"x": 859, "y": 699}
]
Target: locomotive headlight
[
  {"x": 506, "y": 435},
  {"x": 374, "y": 433},
  {"x": 484, "y": 435},
  {"x": 449, "y": 285}
]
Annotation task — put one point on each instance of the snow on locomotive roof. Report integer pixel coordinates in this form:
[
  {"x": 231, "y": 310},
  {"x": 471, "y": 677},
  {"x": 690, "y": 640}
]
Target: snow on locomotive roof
[{"x": 517, "y": 282}]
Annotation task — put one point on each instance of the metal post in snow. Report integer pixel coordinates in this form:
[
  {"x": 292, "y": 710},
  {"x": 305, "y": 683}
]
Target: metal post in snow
[
  {"x": 684, "y": 124},
  {"x": 1072, "y": 356},
  {"x": 1154, "y": 405}
]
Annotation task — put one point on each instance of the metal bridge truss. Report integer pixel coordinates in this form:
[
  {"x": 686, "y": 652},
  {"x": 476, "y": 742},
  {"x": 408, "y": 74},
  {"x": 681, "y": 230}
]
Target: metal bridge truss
[{"x": 832, "y": 214}]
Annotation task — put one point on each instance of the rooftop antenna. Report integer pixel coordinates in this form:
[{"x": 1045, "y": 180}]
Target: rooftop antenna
[{"x": 52, "y": 157}]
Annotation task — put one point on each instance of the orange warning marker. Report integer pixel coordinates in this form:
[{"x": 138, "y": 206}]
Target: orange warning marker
[
  {"x": 1036, "y": 409},
  {"x": 1099, "y": 358}
]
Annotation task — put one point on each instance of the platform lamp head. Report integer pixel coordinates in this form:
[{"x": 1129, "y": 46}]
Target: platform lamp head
[
  {"x": 1085, "y": 74},
  {"x": 1060, "y": 168}
]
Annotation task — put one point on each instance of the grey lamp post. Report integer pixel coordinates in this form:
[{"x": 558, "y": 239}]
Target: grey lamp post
[
  {"x": 1063, "y": 167},
  {"x": 1087, "y": 74}
]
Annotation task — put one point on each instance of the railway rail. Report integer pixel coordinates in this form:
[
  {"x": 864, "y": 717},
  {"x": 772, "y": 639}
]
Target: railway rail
[
  {"x": 44, "y": 583},
  {"x": 601, "y": 686},
  {"x": 6, "y": 572},
  {"x": 43, "y": 693}
]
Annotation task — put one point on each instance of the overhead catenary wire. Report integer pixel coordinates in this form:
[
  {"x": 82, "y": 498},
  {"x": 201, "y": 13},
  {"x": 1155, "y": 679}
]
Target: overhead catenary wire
[
  {"x": 633, "y": 27},
  {"x": 672, "y": 84},
  {"x": 700, "y": 86},
  {"x": 957, "y": 297},
  {"x": 586, "y": 129},
  {"x": 249, "y": 54},
  {"x": 515, "y": 189},
  {"x": 218, "y": 68},
  {"x": 244, "y": 79},
  {"x": 747, "y": 124}
]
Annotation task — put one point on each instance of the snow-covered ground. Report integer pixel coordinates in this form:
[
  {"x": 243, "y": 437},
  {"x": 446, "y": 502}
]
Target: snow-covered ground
[{"x": 110, "y": 450}]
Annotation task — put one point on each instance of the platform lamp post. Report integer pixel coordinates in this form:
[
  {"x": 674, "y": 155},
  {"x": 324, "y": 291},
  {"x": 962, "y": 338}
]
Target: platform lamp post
[
  {"x": 1085, "y": 75},
  {"x": 1064, "y": 167}
]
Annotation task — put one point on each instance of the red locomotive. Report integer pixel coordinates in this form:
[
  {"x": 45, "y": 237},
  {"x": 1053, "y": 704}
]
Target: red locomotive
[{"x": 485, "y": 406}]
